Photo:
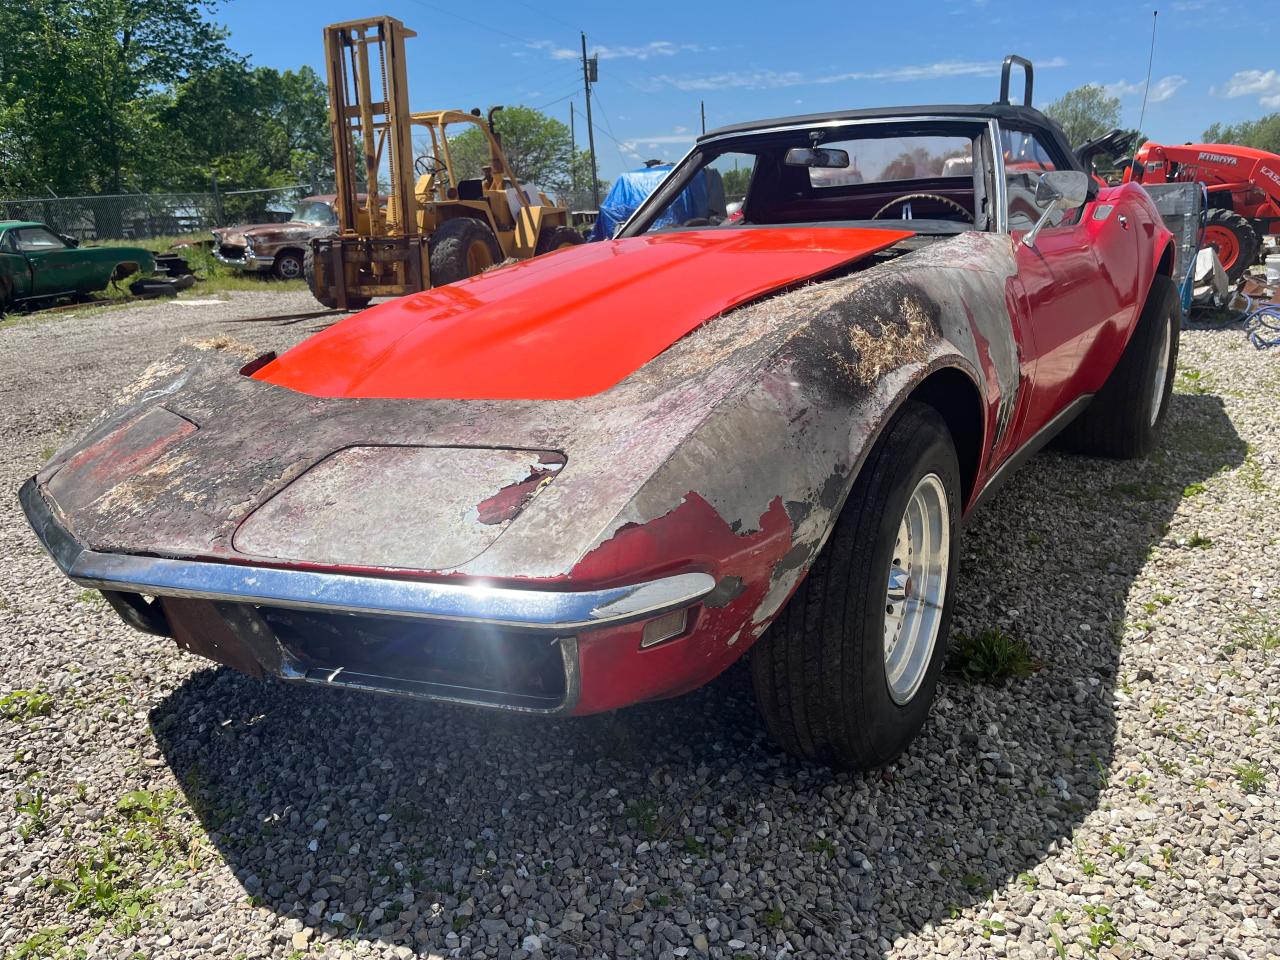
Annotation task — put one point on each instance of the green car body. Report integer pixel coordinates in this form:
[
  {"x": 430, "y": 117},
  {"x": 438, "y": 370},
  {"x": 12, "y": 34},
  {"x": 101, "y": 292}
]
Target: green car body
[{"x": 37, "y": 264}]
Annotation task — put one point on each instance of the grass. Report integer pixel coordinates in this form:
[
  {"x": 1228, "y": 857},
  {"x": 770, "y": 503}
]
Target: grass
[
  {"x": 771, "y": 919},
  {"x": 823, "y": 846},
  {"x": 214, "y": 276},
  {"x": 991, "y": 656}
]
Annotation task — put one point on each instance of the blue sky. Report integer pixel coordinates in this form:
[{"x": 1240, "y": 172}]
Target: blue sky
[{"x": 751, "y": 59}]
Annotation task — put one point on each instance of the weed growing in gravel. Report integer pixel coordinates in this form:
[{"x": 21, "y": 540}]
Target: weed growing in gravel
[
  {"x": 1254, "y": 633},
  {"x": 1192, "y": 381},
  {"x": 991, "y": 656},
  {"x": 1198, "y": 541},
  {"x": 32, "y": 806},
  {"x": 821, "y": 845},
  {"x": 771, "y": 919},
  {"x": 1028, "y": 881},
  {"x": 1251, "y": 776},
  {"x": 89, "y": 596},
  {"x": 991, "y": 927},
  {"x": 1102, "y": 932},
  {"x": 645, "y": 814},
  {"x": 1194, "y": 489},
  {"x": 25, "y": 705},
  {"x": 47, "y": 942},
  {"x": 976, "y": 883}
]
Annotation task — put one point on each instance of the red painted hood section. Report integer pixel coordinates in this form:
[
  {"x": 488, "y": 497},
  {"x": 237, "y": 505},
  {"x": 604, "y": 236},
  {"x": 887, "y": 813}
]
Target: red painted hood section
[{"x": 569, "y": 324}]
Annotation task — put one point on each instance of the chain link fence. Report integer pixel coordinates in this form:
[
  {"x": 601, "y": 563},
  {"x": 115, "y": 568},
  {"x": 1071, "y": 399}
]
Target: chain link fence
[{"x": 147, "y": 216}]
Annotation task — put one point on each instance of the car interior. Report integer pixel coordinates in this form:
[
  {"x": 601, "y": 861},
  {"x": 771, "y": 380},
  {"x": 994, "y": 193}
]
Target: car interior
[{"x": 930, "y": 177}]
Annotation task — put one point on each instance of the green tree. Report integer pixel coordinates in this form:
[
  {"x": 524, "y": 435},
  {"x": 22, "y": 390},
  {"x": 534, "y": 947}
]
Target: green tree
[
  {"x": 1085, "y": 112},
  {"x": 81, "y": 80},
  {"x": 1261, "y": 134},
  {"x": 249, "y": 127},
  {"x": 537, "y": 147}
]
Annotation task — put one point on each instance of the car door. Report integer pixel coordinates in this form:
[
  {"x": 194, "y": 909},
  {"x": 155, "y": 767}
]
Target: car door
[
  {"x": 55, "y": 267},
  {"x": 1069, "y": 294}
]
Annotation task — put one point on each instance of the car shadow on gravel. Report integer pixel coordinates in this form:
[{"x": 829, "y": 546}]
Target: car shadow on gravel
[{"x": 432, "y": 827}]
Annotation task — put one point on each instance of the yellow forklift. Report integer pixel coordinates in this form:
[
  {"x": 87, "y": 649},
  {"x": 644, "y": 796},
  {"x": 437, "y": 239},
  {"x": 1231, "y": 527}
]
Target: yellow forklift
[{"x": 430, "y": 228}]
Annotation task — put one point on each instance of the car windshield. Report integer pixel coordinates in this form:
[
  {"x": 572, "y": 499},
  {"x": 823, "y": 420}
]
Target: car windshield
[
  {"x": 918, "y": 174},
  {"x": 314, "y": 211}
]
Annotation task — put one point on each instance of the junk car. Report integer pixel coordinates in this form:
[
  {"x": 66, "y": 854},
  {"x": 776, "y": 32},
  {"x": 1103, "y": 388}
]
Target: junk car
[
  {"x": 277, "y": 248},
  {"x": 602, "y": 476},
  {"x": 37, "y": 264}
]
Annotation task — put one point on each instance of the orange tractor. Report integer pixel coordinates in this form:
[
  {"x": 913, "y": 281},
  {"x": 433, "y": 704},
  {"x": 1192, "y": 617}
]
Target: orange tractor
[{"x": 1243, "y": 186}]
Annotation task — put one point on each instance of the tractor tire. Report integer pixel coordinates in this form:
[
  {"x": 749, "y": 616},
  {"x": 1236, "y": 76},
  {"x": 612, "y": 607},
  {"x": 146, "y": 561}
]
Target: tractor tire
[
  {"x": 554, "y": 238},
  {"x": 1235, "y": 240},
  {"x": 461, "y": 248},
  {"x": 289, "y": 265},
  {"x": 331, "y": 303},
  {"x": 846, "y": 675},
  {"x": 1123, "y": 422}
]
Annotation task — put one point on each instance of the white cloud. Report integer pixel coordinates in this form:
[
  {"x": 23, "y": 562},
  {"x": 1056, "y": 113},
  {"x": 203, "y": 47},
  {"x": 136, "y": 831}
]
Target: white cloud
[
  {"x": 773, "y": 79},
  {"x": 1264, "y": 84},
  {"x": 1161, "y": 90},
  {"x": 647, "y": 51}
]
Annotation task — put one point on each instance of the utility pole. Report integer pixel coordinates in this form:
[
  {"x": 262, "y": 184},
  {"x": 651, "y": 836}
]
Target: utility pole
[
  {"x": 702, "y": 105},
  {"x": 590, "y": 73},
  {"x": 573, "y": 158}
]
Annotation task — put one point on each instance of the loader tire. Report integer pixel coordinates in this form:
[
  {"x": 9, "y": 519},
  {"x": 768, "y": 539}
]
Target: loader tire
[
  {"x": 553, "y": 238},
  {"x": 1123, "y": 422},
  {"x": 1235, "y": 240},
  {"x": 331, "y": 303},
  {"x": 462, "y": 248}
]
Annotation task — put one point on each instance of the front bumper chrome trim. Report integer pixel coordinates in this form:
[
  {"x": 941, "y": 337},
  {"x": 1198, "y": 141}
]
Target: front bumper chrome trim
[
  {"x": 253, "y": 262},
  {"x": 553, "y": 611}
]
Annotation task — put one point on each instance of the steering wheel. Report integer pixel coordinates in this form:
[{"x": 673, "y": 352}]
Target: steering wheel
[
  {"x": 945, "y": 201},
  {"x": 427, "y": 165}
]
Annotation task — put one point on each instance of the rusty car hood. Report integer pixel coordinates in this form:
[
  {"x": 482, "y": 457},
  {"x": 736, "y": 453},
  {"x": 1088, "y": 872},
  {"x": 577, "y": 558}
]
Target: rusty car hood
[
  {"x": 563, "y": 326},
  {"x": 269, "y": 231},
  {"x": 211, "y": 455}
]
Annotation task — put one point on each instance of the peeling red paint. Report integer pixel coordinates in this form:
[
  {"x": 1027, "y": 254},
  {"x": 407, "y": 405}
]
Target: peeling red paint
[
  {"x": 614, "y": 670},
  {"x": 507, "y": 503}
]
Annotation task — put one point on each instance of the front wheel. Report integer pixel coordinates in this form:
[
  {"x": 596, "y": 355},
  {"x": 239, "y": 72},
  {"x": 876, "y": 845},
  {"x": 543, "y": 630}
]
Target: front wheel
[
  {"x": 846, "y": 674},
  {"x": 325, "y": 300},
  {"x": 288, "y": 265},
  {"x": 461, "y": 248}
]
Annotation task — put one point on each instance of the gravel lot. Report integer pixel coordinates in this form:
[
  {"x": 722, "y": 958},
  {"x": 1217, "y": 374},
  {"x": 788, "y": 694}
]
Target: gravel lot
[{"x": 1120, "y": 801}]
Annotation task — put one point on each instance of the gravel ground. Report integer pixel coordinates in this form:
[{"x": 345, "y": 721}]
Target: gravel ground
[{"x": 1118, "y": 801}]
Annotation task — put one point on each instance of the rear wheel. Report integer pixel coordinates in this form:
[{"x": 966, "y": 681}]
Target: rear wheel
[
  {"x": 847, "y": 672},
  {"x": 554, "y": 238},
  {"x": 1125, "y": 417},
  {"x": 1235, "y": 240},
  {"x": 462, "y": 248},
  {"x": 309, "y": 274}
]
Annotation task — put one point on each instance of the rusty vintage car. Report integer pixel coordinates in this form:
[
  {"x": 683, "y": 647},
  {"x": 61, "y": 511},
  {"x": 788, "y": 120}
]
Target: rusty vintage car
[
  {"x": 277, "y": 248},
  {"x": 603, "y": 475}
]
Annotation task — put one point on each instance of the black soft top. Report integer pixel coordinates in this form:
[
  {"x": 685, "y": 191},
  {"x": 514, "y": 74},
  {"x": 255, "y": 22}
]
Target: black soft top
[{"x": 1011, "y": 115}]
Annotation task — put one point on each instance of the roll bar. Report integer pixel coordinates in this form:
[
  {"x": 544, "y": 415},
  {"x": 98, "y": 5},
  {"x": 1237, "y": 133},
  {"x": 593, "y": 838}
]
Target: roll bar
[{"x": 1028, "y": 72}]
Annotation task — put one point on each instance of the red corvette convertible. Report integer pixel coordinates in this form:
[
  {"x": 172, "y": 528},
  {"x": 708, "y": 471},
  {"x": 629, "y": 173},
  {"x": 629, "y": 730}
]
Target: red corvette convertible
[{"x": 601, "y": 476}]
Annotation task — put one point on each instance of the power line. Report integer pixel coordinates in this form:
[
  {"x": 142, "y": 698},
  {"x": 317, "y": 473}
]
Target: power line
[
  {"x": 609, "y": 131},
  {"x": 1150, "y": 57}
]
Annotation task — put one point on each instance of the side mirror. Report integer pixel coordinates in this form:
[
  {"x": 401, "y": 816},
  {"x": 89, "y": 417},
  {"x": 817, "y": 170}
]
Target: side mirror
[
  {"x": 821, "y": 157},
  {"x": 1057, "y": 190},
  {"x": 69, "y": 241}
]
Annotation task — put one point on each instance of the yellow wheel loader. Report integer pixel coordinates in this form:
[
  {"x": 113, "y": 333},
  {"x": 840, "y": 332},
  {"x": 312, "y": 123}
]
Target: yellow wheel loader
[{"x": 430, "y": 227}]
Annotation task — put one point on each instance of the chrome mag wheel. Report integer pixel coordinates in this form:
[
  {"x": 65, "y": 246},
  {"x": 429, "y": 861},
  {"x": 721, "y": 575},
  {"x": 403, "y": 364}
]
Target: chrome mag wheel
[{"x": 917, "y": 586}]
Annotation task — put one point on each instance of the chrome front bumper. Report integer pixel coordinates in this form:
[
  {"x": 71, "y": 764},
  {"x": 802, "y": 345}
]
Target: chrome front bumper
[
  {"x": 127, "y": 579},
  {"x": 252, "y": 262}
]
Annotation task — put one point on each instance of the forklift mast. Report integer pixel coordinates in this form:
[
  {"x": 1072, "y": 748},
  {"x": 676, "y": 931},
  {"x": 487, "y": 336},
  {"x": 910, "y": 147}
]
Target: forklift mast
[{"x": 372, "y": 128}]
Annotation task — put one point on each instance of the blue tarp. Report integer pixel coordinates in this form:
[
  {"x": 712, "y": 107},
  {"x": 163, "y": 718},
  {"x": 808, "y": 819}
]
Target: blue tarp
[{"x": 633, "y": 187}]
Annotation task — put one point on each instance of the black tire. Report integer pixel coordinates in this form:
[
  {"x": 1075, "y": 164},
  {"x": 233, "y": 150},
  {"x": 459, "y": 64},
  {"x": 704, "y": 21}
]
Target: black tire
[
  {"x": 289, "y": 265},
  {"x": 1125, "y": 417},
  {"x": 462, "y": 248},
  {"x": 1246, "y": 240},
  {"x": 553, "y": 238},
  {"x": 309, "y": 274},
  {"x": 819, "y": 671}
]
